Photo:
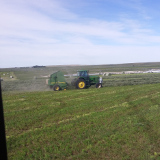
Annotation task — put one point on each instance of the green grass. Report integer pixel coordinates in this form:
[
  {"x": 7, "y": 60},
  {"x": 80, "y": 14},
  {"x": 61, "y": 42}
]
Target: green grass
[
  {"x": 30, "y": 79},
  {"x": 6, "y": 76},
  {"x": 131, "y": 79},
  {"x": 108, "y": 123}
]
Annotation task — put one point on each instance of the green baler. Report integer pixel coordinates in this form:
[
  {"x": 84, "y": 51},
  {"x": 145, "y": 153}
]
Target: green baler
[{"x": 57, "y": 81}]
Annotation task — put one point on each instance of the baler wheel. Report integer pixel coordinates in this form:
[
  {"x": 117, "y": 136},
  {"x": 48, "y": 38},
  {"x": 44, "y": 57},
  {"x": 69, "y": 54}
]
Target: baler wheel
[{"x": 56, "y": 88}]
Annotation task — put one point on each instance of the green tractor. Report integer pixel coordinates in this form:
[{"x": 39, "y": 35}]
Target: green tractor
[{"x": 84, "y": 80}]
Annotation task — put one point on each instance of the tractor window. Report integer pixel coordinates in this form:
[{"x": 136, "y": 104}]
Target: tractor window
[
  {"x": 82, "y": 74},
  {"x": 85, "y": 74}
]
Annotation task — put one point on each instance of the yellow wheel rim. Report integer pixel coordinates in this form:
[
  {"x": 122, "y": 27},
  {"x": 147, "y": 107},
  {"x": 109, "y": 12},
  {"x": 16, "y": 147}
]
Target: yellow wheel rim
[
  {"x": 57, "y": 88},
  {"x": 81, "y": 84}
]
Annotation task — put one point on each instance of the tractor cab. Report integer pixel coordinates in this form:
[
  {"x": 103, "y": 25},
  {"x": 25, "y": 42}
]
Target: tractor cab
[{"x": 82, "y": 73}]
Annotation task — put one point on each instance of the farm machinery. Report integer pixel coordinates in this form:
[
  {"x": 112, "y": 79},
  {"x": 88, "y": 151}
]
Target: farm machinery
[
  {"x": 81, "y": 81},
  {"x": 84, "y": 80},
  {"x": 57, "y": 81}
]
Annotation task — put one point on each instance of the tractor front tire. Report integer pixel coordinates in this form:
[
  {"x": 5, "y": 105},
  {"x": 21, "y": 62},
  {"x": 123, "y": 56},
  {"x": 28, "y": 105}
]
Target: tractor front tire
[
  {"x": 56, "y": 88},
  {"x": 81, "y": 84},
  {"x": 98, "y": 85}
]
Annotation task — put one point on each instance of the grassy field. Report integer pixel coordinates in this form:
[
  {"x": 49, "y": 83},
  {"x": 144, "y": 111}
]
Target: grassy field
[
  {"x": 30, "y": 79},
  {"x": 131, "y": 79},
  {"x": 118, "y": 122}
]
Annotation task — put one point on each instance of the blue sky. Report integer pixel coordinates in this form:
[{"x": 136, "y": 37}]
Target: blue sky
[{"x": 64, "y": 32}]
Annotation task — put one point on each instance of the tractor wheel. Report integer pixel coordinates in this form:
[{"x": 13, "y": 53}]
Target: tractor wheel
[
  {"x": 80, "y": 84},
  {"x": 56, "y": 88},
  {"x": 98, "y": 85}
]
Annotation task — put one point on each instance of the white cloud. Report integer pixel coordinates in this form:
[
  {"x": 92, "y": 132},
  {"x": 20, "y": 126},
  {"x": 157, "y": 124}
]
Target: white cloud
[
  {"x": 47, "y": 29},
  {"x": 78, "y": 54},
  {"x": 33, "y": 24}
]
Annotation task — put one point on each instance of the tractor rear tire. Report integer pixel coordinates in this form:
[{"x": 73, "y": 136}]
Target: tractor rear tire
[
  {"x": 56, "y": 88},
  {"x": 98, "y": 85},
  {"x": 81, "y": 84}
]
